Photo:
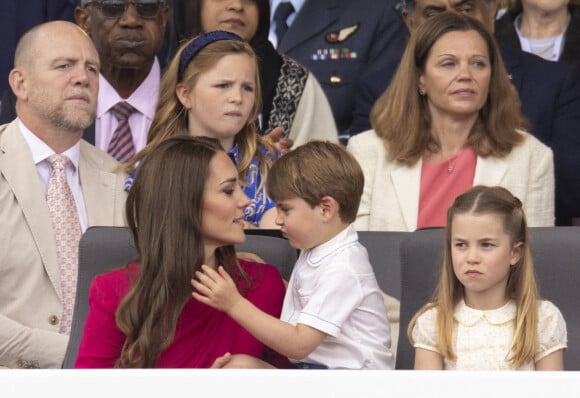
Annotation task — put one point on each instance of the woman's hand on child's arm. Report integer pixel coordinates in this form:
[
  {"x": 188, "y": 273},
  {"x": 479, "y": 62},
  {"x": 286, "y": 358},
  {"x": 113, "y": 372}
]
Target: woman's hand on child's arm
[
  {"x": 553, "y": 361},
  {"x": 428, "y": 360},
  {"x": 215, "y": 288}
]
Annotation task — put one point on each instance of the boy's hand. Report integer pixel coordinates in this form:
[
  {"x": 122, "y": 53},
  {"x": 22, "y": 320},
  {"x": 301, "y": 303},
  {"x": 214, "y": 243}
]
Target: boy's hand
[{"x": 216, "y": 289}]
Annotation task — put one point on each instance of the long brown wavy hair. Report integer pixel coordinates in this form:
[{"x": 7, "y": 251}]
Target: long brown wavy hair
[
  {"x": 171, "y": 116},
  {"x": 164, "y": 213},
  {"x": 401, "y": 118}
]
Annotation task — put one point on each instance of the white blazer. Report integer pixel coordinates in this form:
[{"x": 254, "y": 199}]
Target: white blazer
[{"x": 390, "y": 200}]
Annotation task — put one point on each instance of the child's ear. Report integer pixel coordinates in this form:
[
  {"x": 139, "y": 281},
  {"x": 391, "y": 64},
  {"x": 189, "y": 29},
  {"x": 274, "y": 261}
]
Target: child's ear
[
  {"x": 182, "y": 93},
  {"x": 329, "y": 207},
  {"x": 517, "y": 253}
]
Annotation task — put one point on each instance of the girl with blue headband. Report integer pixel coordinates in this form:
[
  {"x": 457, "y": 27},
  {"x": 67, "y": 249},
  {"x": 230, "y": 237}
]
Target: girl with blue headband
[{"x": 211, "y": 88}]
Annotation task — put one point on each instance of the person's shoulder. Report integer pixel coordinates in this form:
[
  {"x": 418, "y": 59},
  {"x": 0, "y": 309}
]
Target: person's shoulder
[
  {"x": 531, "y": 143},
  {"x": 118, "y": 280},
  {"x": 546, "y": 309},
  {"x": 255, "y": 269},
  {"x": 367, "y": 141},
  {"x": 99, "y": 158}
]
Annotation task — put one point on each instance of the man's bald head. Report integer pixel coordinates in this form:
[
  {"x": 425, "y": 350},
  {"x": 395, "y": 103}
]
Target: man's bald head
[{"x": 31, "y": 42}]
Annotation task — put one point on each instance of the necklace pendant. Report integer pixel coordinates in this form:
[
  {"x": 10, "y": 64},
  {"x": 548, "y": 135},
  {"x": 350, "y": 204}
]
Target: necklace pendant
[{"x": 450, "y": 169}]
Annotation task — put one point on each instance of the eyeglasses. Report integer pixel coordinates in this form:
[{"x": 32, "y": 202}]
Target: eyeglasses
[{"x": 116, "y": 8}]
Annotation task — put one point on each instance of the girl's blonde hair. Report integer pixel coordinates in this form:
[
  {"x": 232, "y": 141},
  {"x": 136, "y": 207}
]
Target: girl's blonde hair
[
  {"x": 521, "y": 285},
  {"x": 171, "y": 116},
  {"x": 401, "y": 118}
]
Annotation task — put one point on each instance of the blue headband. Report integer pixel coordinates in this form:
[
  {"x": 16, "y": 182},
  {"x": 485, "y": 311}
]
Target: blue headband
[{"x": 199, "y": 43}]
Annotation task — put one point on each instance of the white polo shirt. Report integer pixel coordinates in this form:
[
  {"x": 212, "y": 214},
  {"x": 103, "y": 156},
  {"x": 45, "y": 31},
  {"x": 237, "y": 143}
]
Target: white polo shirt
[{"x": 333, "y": 289}]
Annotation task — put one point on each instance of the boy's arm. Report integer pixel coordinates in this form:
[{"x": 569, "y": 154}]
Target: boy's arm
[{"x": 218, "y": 290}]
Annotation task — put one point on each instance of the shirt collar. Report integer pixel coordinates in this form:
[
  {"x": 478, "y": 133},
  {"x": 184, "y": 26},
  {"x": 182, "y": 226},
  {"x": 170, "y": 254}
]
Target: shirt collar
[
  {"x": 140, "y": 99},
  {"x": 318, "y": 254},
  {"x": 234, "y": 154},
  {"x": 469, "y": 316},
  {"x": 41, "y": 151},
  {"x": 297, "y": 4}
]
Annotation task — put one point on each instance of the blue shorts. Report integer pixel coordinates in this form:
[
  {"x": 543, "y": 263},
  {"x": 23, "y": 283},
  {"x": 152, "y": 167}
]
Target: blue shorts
[{"x": 306, "y": 365}]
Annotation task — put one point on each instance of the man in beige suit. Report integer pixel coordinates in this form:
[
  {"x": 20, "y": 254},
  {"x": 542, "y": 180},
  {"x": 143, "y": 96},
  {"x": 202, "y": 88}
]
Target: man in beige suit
[{"x": 55, "y": 80}]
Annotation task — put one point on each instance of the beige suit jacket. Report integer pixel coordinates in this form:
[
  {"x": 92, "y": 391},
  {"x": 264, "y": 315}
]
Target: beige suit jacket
[
  {"x": 30, "y": 293},
  {"x": 390, "y": 200}
]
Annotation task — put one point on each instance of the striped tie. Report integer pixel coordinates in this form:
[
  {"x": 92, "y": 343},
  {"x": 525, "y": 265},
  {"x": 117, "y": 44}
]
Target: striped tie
[{"x": 121, "y": 146}]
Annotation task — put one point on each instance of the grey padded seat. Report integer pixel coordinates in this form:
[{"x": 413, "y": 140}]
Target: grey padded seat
[{"x": 102, "y": 249}]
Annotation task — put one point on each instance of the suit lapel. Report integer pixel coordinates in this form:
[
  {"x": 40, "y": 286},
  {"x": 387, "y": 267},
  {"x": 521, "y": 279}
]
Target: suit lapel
[
  {"x": 17, "y": 167},
  {"x": 512, "y": 60},
  {"x": 489, "y": 171},
  {"x": 303, "y": 29},
  {"x": 406, "y": 183},
  {"x": 98, "y": 188}
]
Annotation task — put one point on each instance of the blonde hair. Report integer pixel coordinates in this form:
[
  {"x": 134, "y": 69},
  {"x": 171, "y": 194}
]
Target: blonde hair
[
  {"x": 171, "y": 116},
  {"x": 317, "y": 169},
  {"x": 400, "y": 117},
  {"x": 521, "y": 285}
]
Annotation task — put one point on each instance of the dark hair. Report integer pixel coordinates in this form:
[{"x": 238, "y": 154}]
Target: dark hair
[
  {"x": 317, "y": 169},
  {"x": 187, "y": 20},
  {"x": 164, "y": 213}
]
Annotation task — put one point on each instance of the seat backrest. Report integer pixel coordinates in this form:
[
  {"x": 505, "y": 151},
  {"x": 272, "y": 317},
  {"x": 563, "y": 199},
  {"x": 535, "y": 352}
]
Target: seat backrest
[
  {"x": 421, "y": 257},
  {"x": 556, "y": 254},
  {"x": 383, "y": 248},
  {"x": 101, "y": 249},
  {"x": 272, "y": 247}
]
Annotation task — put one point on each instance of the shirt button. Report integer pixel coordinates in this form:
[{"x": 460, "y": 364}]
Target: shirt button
[{"x": 53, "y": 320}]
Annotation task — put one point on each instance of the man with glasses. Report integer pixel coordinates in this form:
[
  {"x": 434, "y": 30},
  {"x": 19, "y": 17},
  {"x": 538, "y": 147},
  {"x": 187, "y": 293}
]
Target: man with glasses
[{"x": 128, "y": 35}]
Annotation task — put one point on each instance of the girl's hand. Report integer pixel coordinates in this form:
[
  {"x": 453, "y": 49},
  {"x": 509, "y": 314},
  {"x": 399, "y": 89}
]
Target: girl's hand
[
  {"x": 276, "y": 136},
  {"x": 216, "y": 289}
]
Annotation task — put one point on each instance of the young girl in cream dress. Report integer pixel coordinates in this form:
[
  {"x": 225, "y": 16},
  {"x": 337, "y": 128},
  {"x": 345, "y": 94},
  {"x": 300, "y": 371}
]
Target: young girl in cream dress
[{"x": 486, "y": 313}]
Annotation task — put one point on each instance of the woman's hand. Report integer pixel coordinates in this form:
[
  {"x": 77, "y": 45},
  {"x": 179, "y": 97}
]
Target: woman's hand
[{"x": 216, "y": 289}]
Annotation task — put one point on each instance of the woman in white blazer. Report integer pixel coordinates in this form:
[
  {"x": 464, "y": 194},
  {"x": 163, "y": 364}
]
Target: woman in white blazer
[{"x": 449, "y": 120}]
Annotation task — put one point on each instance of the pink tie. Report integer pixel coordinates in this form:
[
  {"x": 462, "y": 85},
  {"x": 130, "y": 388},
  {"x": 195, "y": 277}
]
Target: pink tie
[
  {"x": 67, "y": 233},
  {"x": 121, "y": 146}
]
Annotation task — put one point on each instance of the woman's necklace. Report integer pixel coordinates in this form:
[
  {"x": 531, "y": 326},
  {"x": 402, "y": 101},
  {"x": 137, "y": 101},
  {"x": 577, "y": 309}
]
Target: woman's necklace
[{"x": 451, "y": 163}]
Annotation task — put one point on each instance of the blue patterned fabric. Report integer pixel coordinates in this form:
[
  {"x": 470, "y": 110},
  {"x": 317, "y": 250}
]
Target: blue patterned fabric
[{"x": 260, "y": 202}]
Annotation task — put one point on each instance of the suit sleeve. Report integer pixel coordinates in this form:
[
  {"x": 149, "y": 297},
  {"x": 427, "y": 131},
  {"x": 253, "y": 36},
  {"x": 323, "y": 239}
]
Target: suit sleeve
[
  {"x": 385, "y": 54},
  {"x": 22, "y": 346},
  {"x": 313, "y": 119},
  {"x": 566, "y": 146},
  {"x": 539, "y": 206},
  {"x": 359, "y": 148}
]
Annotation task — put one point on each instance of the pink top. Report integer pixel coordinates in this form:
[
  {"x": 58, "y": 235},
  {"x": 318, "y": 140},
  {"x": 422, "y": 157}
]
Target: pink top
[
  {"x": 202, "y": 334},
  {"x": 441, "y": 183}
]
